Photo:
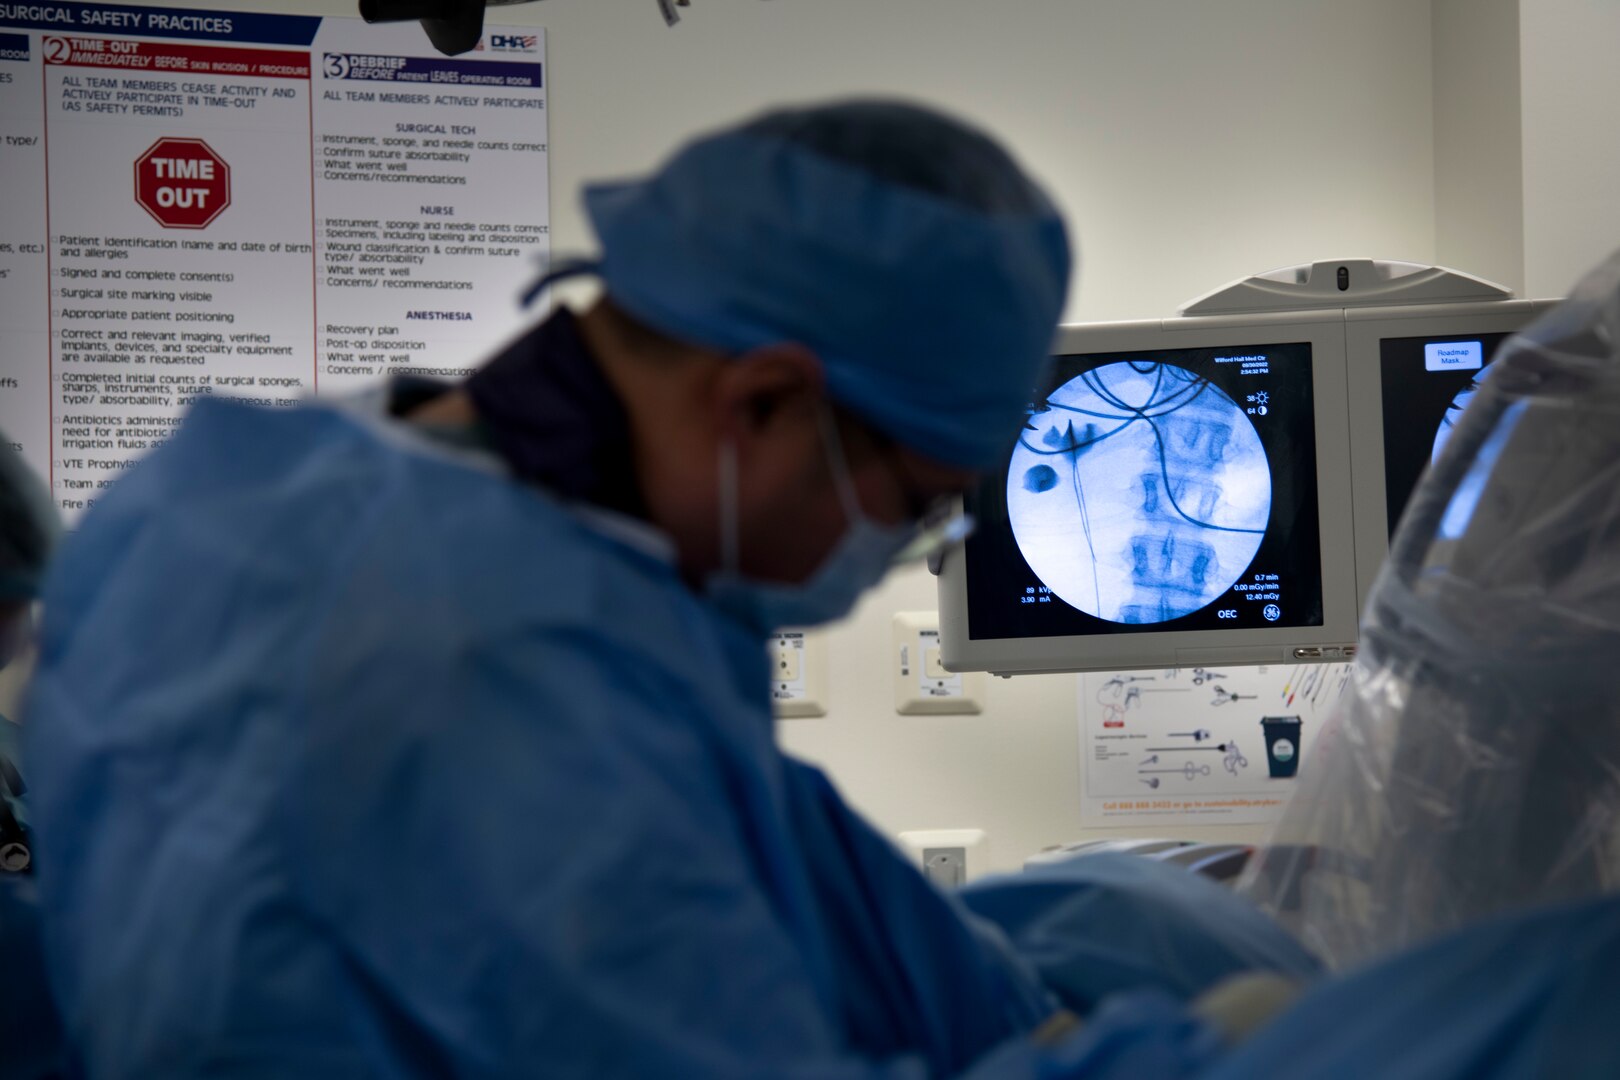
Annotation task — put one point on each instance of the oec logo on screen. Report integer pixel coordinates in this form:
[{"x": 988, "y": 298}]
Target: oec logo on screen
[{"x": 182, "y": 183}]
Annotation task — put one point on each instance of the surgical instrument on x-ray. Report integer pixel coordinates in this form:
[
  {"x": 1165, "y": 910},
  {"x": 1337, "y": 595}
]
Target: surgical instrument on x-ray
[
  {"x": 1152, "y": 782},
  {"x": 1196, "y": 736},
  {"x": 1223, "y": 696},
  {"x": 1220, "y": 747},
  {"x": 1189, "y": 770},
  {"x": 1152, "y": 759},
  {"x": 1203, "y": 675}
]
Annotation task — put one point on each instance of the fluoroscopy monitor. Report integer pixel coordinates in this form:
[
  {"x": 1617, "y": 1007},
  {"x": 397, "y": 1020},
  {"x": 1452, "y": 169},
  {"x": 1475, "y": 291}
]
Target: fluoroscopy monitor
[
  {"x": 1426, "y": 383},
  {"x": 1412, "y": 371},
  {"x": 1219, "y": 488},
  {"x": 1167, "y": 503}
]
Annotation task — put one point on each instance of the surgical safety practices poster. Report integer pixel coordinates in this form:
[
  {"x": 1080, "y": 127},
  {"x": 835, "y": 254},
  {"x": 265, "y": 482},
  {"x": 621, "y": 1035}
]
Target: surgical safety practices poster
[
  {"x": 1199, "y": 746},
  {"x": 264, "y": 206}
]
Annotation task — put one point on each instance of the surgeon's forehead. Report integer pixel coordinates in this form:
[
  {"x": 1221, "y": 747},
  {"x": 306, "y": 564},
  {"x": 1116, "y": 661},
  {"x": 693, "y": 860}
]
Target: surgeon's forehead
[
  {"x": 928, "y": 475},
  {"x": 937, "y": 476}
]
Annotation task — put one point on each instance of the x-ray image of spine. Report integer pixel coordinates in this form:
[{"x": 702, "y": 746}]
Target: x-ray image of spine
[{"x": 1139, "y": 493}]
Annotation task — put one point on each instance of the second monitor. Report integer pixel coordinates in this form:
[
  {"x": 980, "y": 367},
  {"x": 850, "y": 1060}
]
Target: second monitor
[{"x": 1412, "y": 370}]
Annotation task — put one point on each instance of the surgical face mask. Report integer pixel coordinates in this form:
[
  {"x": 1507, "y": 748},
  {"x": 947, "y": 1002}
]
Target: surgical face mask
[{"x": 860, "y": 559}]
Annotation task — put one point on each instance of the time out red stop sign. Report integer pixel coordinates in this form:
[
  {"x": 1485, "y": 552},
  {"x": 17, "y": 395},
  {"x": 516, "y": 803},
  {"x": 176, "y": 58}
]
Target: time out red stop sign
[{"x": 182, "y": 183}]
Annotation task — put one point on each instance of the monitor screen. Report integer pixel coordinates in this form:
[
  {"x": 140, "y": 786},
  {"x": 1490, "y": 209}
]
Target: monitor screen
[
  {"x": 1165, "y": 490},
  {"x": 1210, "y": 489},
  {"x": 1426, "y": 382}
]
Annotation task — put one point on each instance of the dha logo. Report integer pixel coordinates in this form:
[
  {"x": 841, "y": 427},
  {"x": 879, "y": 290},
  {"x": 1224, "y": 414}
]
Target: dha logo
[{"x": 514, "y": 42}]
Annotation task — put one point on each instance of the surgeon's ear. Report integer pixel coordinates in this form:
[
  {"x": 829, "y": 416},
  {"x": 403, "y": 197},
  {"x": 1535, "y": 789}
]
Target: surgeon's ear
[{"x": 769, "y": 386}]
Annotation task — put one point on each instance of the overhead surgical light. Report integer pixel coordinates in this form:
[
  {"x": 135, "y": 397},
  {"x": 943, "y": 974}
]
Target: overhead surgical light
[{"x": 454, "y": 26}]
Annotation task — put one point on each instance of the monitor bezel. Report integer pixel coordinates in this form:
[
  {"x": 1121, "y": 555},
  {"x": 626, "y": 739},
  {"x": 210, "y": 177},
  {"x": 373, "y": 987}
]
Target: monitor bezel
[{"x": 1324, "y": 331}]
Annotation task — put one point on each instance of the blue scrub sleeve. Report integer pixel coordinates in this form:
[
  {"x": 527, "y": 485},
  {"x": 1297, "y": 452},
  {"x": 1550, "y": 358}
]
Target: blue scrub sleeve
[
  {"x": 530, "y": 861},
  {"x": 532, "y": 876},
  {"x": 1099, "y": 925}
]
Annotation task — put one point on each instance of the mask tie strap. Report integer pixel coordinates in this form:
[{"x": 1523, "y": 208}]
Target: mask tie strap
[
  {"x": 730, "y": 556},
  {"x": 847, "y": 498},
  {"x": 551, "y": 273}
]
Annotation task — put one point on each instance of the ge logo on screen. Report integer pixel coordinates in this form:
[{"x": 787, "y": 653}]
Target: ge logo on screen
[{"x": 1272, "y": 612}]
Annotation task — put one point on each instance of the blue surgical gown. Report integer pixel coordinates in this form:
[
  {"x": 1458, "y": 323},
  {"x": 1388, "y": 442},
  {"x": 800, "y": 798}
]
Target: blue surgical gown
[
  {"x": 353, "y": 757},
  {"x": 1517, "y": 998},
  {"x": 30, "y": 1037},
  {"x": 31, "y": 1046},
  {"x": 1096, "y": 926}
]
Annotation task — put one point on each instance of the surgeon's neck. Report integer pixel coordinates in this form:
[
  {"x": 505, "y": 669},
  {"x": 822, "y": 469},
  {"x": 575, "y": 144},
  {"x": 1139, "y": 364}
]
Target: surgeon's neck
[
  {"x": 666, "y": 389},
  {"x": 647, "y": 374},
  {"x": 663, "y": 387}
]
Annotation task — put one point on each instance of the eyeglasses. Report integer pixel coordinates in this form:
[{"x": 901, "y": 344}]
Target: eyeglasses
[
  {"x": 944, "y": 526},
  {"x": 937, "y": 521}
]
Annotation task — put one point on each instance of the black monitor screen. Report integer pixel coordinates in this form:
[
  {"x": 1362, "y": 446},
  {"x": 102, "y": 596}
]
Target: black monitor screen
[
  {"x": 1154, "y": 491},
  {"x": 1427, "y": 382}
]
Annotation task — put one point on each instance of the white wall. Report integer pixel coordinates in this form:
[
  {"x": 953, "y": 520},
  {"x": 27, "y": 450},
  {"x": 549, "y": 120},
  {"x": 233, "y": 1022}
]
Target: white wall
[
  {"x": 1478, "y": 142},
  {"x": 1191, "y": 142},
  {"x": 1571, "y": 103},
  {"x": 1527, "y": 138}
]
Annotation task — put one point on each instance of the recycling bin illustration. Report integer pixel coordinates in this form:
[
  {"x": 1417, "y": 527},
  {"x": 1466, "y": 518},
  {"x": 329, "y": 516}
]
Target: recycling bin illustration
[{"x": 1282, "y": 745}]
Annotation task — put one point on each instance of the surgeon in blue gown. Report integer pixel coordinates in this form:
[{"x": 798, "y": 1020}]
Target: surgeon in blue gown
[
  {"x": 428, "y": 733},
  {"x": 28, "y": 531},
  {"x": 30, "y": 1037}
]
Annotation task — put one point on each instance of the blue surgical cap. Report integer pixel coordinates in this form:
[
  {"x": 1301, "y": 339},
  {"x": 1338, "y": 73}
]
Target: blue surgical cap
[
  {"x": 28, "y": 527},
  {"x": 908, "y": 251}
]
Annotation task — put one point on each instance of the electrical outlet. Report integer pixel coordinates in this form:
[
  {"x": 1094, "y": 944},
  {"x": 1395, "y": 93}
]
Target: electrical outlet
[
  {"x": 921, "y": 683},
  {"x": 798, "y": 674},
  {"x": 946, "y": 867},
  {"x": 948, "y": 857}
]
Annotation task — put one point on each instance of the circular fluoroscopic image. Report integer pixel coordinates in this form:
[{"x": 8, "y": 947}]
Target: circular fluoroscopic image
[
  {"x": 1454, "y": 413},
  {"x": 1140, "y": 493}
]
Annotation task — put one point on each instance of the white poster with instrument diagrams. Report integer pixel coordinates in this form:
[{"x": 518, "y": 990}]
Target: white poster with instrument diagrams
[{"x": 1200, "y": 746}]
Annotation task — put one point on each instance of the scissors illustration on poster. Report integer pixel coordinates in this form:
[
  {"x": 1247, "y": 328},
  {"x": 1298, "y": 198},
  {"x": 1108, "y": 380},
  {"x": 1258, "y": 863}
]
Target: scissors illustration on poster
[{"x": 1199, "y": 745}]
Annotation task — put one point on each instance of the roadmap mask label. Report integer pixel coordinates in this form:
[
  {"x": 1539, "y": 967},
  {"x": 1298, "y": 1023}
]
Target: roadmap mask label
[{"x": 1454, "y": 356}]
